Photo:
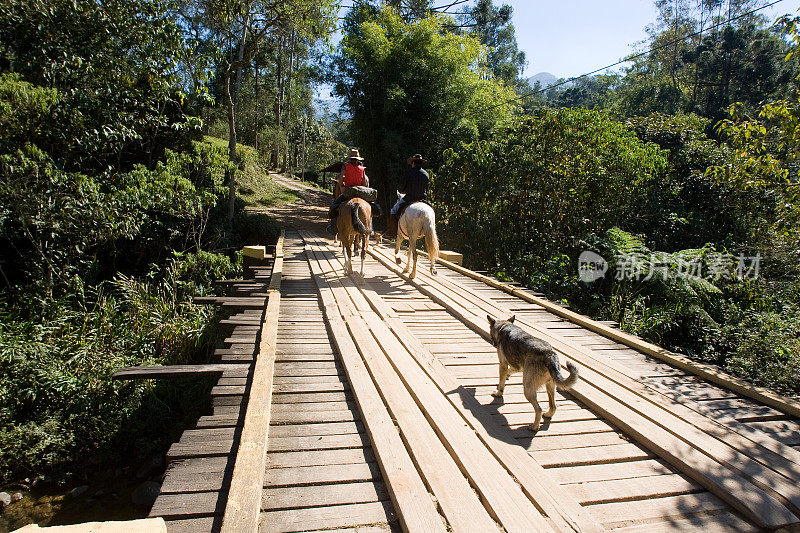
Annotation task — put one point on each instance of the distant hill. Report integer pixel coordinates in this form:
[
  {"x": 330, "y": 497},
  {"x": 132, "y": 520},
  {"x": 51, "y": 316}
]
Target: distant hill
[{"x": 545, "y": 78}]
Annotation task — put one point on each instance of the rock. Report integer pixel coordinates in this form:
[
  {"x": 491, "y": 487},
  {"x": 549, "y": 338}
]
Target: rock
[
  {"x": 150, "y": 466},
  {"x": 5, "y": 499},
  {"x": 77, "y": 492},
  {"x": 17, "y": 496},
  {"x": 145, "y": 494}
]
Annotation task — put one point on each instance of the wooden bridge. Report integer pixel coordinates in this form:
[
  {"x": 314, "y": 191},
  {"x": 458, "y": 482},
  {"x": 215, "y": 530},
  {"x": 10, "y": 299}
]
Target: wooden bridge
[{"x": 363, "y": 404}]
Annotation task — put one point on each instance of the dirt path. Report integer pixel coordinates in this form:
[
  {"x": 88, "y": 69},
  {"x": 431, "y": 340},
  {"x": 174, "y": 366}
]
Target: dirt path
[{"x": 310, "y": 212}]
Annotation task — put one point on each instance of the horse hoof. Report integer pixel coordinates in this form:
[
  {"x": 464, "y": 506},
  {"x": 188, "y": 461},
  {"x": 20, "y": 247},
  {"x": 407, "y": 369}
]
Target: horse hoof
[
  {"x": 398, "y": 260},
  {"x": 433, "y": 272}
]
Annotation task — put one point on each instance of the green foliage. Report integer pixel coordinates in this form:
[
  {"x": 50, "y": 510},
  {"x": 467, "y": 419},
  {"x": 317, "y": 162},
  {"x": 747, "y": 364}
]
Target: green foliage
[
  {"x": 766, "y": 349},
  {"x": 523, "y": 196},
  {"x": 687, "y": 207},
  {"x": 55, "y": 223},
  {"x": 493, "y": 28},
  {"x": 110, "y": 69},
  {"x": 412, "y": 87},
  {"x": 704, "y": 57},
  {"x": 58, "y": 404},
  {"x": 661, "y": 296}
]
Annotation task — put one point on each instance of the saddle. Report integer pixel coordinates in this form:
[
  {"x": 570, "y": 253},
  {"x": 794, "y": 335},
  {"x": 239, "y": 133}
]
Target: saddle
[{"x": 404, "y": 206}]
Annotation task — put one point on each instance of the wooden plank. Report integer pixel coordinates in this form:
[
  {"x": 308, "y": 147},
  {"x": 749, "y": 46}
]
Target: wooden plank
[
  {"x": 244, "y": 498},
  {"x": 278, "y": 498},
  {"x": 321, "y": 457},
  {"x": 479, "y": 476},
  {"x": 174, "y": 371},
  {"x": 336, "y": 516},
  {"x": 318, "y": 475},
  {"x": 616, "y": 490},
  {"x": 255, "y": 302},
  {"x": 709, "y": 372},
  {"x": 752, "y": 494},
  {"x": 406, "y": 488},
  {"x": 317, "y": 429},
  {"x": 616, "y": 514}
]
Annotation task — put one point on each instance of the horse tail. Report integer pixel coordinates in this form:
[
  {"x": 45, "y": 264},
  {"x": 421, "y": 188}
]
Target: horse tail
[
  {"x": 431, "y": 240},
  {"x": 357, "y": 224}
]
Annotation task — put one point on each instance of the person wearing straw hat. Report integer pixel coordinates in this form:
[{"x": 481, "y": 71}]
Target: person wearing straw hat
[
  {"x": 353, "y": 174},
  {"x": 414, "y": 185}
]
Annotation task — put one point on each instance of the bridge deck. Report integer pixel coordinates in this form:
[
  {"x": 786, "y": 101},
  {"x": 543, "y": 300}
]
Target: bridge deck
[{"x": 382, "y": 418}]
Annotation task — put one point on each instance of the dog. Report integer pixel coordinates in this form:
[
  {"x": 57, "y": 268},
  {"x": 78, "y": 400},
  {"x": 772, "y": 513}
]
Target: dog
[{"x": 519, "y": 351}]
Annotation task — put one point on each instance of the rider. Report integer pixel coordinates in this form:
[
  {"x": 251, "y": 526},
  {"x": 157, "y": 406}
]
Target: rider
[
  {"x": 414, "y": 184},
  {"x": 353, "y": 174}
]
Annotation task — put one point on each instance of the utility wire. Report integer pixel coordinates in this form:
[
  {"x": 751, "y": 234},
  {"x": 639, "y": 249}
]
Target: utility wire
[{"x": 626, "y": 60}]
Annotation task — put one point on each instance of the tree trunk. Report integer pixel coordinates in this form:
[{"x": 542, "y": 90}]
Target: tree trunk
[
  {"x": 233, "y": 105},
  {"x": 231, "y": 146},
  {"x": 278, "y": 110},
  {"x": 288, "y": 93}
]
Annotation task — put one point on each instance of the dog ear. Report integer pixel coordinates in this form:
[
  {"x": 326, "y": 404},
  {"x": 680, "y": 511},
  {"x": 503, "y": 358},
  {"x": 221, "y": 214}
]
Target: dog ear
[
  {"x": 512, "y": 318},
  {"x": 491, "y": 320}
]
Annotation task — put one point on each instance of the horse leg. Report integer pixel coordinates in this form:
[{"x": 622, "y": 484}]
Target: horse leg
[
  {"x": 412, "y": 253},
  {"x": 346, "y": 252},
  {"x": 397, "y": 241},
  {"x": 364, "y": 245},
  {"x": 356, "y": 242},
  {"x": 432, "y": 245},
  {"x": 408, "y": 256}
]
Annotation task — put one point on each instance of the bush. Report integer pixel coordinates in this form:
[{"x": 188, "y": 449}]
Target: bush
[
  {"x": 58, "y": 404},
  {"x": 523, "y": 196}
]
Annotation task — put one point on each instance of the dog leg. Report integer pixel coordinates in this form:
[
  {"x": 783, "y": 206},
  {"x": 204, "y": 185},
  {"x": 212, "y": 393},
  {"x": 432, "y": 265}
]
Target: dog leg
[
  {"x": 551, "y": 398},
  {"x": 530, "y": 395},
  {"x": 501, "y": 384}
]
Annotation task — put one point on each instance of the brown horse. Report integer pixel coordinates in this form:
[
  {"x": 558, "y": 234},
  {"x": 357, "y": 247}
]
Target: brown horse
[{"x": 355, "y": 219}]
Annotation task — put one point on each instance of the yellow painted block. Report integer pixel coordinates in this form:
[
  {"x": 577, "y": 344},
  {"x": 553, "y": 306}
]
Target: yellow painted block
[
  {"x": 453, "y": 257},
  {"x": 144, "y": 525},
  {"x": 256, "y": 252}
]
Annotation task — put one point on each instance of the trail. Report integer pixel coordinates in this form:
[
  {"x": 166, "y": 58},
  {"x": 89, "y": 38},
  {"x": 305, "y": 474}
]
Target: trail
[{"x": 310, "y": 212}]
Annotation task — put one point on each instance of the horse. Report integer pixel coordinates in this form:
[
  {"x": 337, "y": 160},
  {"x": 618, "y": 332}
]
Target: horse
[
  {"x": 418, "y": 221},
  {"x": 354, "y": 220}
]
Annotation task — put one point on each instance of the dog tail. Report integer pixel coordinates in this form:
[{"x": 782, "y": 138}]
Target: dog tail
[
  {"x": 562, "y": 382},
  {"x": 357, "y": 224}
]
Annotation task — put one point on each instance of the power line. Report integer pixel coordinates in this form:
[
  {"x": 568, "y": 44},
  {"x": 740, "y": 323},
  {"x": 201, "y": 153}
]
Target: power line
[{"x": 626, "y": 60}]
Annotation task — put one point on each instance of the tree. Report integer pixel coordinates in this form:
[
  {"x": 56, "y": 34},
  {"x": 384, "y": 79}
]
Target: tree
[
  {"x": 493, "y": 28},
  {"x": 237, "y": 28},
  {"x": 705, "y": 55},
  {"x": 412, "y": 87}
]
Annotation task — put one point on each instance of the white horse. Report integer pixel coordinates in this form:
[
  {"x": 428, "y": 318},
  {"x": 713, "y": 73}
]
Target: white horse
[{"x": 418, "y": 221}]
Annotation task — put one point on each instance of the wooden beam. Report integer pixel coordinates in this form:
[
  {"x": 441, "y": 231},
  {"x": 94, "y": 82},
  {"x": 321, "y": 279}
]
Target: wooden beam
[
  {"x": 243, "y": 507},
  {"x": 407, "y": 490},
  {"x": 709, "y": 372},
  {"x": 246, "y": 302},
  {"x": 500, "y": 493},
  {"x": 688, "y": 452},
  {"x": 174, "y": 371}
]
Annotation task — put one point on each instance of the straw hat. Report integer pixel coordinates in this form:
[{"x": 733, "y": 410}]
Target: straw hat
[{"x": 354, "y": 154}]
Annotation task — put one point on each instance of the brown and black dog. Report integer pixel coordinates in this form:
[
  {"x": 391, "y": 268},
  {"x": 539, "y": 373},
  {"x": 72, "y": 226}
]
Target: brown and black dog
[{"x": 519, "y": 351}]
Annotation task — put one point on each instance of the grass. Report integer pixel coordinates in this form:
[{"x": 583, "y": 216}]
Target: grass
[{"x": 254, "y": 185}]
